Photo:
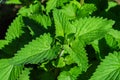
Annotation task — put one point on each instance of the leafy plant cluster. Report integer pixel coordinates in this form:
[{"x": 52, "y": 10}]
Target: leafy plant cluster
[{"x": 61, "y": 40}]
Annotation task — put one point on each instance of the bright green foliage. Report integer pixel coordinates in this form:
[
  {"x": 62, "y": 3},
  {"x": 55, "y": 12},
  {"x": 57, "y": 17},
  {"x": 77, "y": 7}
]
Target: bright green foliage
[
  {"x": 15, "y": 29},
  {"x": 116, "y": 35},
  {"x": 38, "y": 50},
  {"x": 62, "y": 24},
  {"x": 95, "y": 45},
  {"x": 59, "y": 23},
  {"x": 51, "y": 4},
  {"x": 60, "y": 63},
  {"x": 70, "y": 75},
  {"x": 3, "y": 43},
  {"x": 8, "y": 71},
  {"x": 86, "y": 10},
  {"x": 41, "y": 19},
  {"x": 75, "y": 10},
  {"x": 78, "y": 54},
  {"x": 110, "y": 5},
  {"x": 25, "y": 74},
  {"x": 34, "y": 8},
  {"x": 109, "y": 69},
  {"x": 70, "y": 9},
  {"x": 19, "y": 1},
  {"x": 69, "y": 60},
  {"x": 24, "y": 11},
  {"x": 65, "y": 75},
  {"x": 60, "y": 40},
  {"x": 13, "y": 2},
  {"x": 91, "y": 29},
  {"x": 111, "y": 41}
]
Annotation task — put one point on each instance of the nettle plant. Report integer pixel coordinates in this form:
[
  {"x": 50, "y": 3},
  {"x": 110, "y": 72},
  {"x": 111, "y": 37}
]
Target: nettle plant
[{"x": 59, "y": 40}]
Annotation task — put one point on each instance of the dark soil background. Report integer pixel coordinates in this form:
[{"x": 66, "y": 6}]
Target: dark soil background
[{"x": 7, "y": 14}]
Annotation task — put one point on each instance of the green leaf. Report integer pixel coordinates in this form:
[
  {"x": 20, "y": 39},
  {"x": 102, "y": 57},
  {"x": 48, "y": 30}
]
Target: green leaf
[
  {"x": 32, "y": 9},
  {"x": 75, "y": 71},
  {"x": 114, "y": 33},
  {"x": 85, "y": 10},
  {"x": 111, "y": 4},
  {"x": 51, "y": 4},
  {"x": 69, "y": 60},
  {"x": 13, "y": 2},
  {"x": 59, "y": 23},
  {"x": 38, "y": 50},
  {"x": 70, "y": 75},
  {"x": 109, "y": 69},
  {"x": 111, "y": 41},
  {"x": 59, "y": 63},
  {"x": 78, "y": 54},
  {"x": 95, "y": 45},
  {"x": 62, "y": 24},
  {"x": 9, "y": 71},
  {"x": 41, "y": 19},
  {"x": 24, "y": 11},
  {"x": 15, "y": 29},
  {"x": 3, "y": 43},
  {"x": 65, "y": 76},
  {"x": 25, "y": 74},
  {"x": 35, "y": 8},
  {"x": 70, "y": 11},
  {"x": 75, "y": 10},
  {"x": 92, "y": 28},
  {"x": 115, "y": 36}
]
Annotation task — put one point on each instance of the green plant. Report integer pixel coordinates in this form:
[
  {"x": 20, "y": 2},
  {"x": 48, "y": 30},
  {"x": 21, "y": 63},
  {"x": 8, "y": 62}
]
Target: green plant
[{"x": 53, "y": 41}]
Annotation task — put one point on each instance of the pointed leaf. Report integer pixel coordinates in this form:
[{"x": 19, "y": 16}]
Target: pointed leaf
[
  {"x": 116, "y": 36},
  {"x": 3, "y": 43},
  {"x": 25, "y": 74},
  {"x": 111, "y": 4},
  {"x": 69, "y": 60},
  {"x": 111, "y": 41},
  {"x": 65, "y": 75},
  {"x": 51, "y": 4},
  {"x": 109, "y": 69},
  {"x": 70, "y": 10},
  {"x": 95, "y": 45},
  {"x": 32, "y": 9},
  {"x": 62, "y": 24},
  {"x": 92, "y": 28},
  {"x": 115, "y": 33},
  {"x": 70, "y": 75},
  {"x": 41, "y": 19},
  {"x": 59, "y": 63},
  {"x": 86, "y": 10},
  {"x": 8, "y": 71},
  {"x": 15, "y": 29},
  {"x": 78, "y": 54},
  {"x": 38, "y": 50}
]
